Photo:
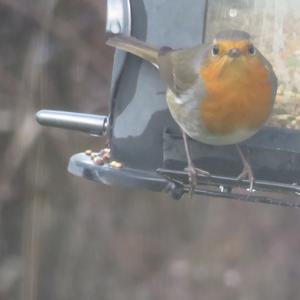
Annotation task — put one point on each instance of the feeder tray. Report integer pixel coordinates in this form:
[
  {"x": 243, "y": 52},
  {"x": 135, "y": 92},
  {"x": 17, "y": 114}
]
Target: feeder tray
[{"x": 147, "y": 142}]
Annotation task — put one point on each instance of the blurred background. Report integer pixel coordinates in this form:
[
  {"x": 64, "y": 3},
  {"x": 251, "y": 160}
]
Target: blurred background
[{"x": 63, "y": 237}]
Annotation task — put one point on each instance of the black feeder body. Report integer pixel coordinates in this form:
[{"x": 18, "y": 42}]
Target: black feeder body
[{"x": 143, "y": 136}]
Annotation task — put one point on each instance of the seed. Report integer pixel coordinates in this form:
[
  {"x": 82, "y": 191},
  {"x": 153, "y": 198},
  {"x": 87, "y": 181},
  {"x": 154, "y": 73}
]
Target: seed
[
  {"x": 94, "y": 155},
  {"x": 88, "y": 152},
  {"x": 116, "y": 164}
]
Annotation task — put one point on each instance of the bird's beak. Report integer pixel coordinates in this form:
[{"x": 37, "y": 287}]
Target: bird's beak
[{"x": 234, "y": 52}]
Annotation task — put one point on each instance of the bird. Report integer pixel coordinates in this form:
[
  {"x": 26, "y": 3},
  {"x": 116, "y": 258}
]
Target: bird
[{"x": 219, "y": 93}]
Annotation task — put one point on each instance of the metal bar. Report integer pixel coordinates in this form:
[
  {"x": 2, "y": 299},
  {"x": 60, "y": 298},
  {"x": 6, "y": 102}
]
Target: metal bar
[
  {"x": 285, "y": 195},
  {"x": 245, "y": 198},
  {"x": 231, "y": 182},
  {"x": 91, "y": 124}
]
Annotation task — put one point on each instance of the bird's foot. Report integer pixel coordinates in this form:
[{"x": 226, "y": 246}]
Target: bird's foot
[
  {"x": 247, "y": 173},
  {"x": 193, "y": 174}
]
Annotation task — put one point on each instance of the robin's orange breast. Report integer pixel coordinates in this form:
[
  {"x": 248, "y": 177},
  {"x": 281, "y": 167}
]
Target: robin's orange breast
[{"x": 238, "y": 95}]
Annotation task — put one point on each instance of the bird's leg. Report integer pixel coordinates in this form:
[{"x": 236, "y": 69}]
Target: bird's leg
[
  {"x": 192, "y": 171},
  {"x": 247, "y": 170}
]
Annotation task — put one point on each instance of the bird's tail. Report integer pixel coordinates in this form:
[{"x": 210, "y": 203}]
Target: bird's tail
[{"x": 134, "y": 46}]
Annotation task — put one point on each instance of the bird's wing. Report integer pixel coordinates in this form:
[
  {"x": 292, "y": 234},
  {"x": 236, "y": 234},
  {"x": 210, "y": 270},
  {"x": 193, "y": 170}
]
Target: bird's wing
[
  {"x": 179, "y": 68},
  {"x": 272, "y": 75}
]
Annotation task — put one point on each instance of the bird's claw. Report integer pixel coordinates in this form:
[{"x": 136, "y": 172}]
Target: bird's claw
[
  {"x": 193, "y": 174},
  {"x": 247, "y": 174},
  {"x": 192, "y": 179}
]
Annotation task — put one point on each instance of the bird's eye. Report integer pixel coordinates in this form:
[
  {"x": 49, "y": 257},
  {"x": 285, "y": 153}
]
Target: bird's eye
[
  {"x": 215, "y": 50},
  {"x": 251, "y": 49}
]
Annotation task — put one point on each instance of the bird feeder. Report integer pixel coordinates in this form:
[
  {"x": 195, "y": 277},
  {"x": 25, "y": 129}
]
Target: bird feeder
[{"x": 146, "y": 144}]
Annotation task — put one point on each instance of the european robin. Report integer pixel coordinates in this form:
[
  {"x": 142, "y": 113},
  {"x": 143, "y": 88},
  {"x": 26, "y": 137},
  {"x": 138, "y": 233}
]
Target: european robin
[{"x": 219, "y": 93}]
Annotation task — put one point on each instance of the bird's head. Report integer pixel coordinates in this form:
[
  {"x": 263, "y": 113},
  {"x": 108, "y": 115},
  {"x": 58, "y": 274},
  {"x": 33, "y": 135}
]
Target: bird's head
[
  {"x": 233, "y": 44},
  {"x": 231, "y": 50}
]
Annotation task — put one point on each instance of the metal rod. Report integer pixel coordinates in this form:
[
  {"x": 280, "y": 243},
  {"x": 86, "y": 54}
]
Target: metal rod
[
  {"x": 118, "y": 17},
  {"x": 91, "y": 124},
  {"x": 241, "y": 197},
  {"x": 263, "y": 194},
  {"x": 232, "y": 182}
]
